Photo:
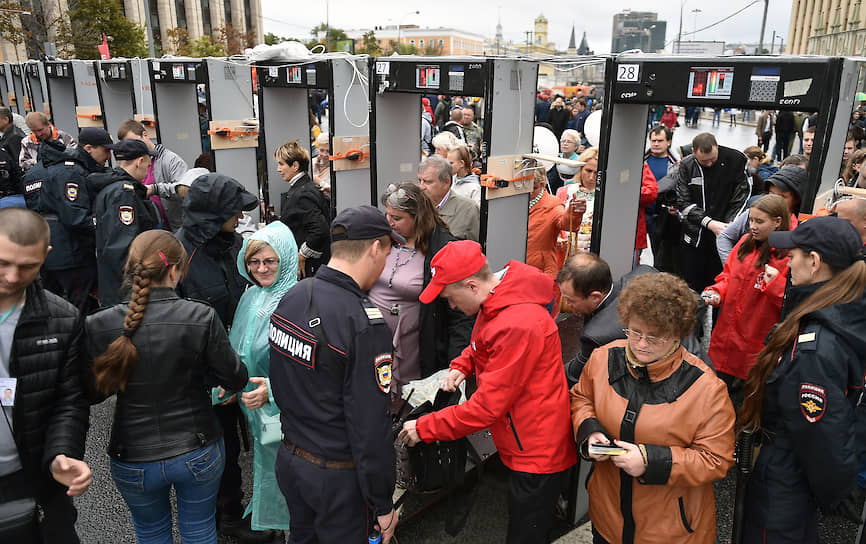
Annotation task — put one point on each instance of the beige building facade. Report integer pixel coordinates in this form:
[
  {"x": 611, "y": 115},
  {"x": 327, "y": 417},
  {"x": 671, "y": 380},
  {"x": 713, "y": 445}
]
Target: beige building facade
[
  {"x": 199, "y": 17},
  {"x": 445, "y": 41},
  {"x": 827, "y": 27}
]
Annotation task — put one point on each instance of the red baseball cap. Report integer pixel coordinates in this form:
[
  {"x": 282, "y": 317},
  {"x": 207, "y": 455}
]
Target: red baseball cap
[{"x": 454, "y": 262}]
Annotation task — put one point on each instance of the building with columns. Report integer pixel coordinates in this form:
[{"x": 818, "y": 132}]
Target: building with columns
[
  {"x": 198, "y": 17},
  {"x": 827, "y": 27}
]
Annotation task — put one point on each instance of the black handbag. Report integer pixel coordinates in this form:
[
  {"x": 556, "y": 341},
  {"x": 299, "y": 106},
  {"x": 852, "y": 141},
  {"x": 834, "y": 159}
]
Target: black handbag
[
  {"x": 437, "y": 465},
  {"x": 19, "y": 522},
  {"x": 441, "y": 465}
]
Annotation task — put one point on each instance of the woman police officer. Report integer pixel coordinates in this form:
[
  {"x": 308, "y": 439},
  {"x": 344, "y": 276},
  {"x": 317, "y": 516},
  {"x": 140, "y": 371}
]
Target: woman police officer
[{"x": 804, "y": 391}]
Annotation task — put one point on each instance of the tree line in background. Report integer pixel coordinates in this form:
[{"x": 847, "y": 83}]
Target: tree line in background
[
  {"x": 78, "y": 32},
  {"x": 337, "y": 40}
]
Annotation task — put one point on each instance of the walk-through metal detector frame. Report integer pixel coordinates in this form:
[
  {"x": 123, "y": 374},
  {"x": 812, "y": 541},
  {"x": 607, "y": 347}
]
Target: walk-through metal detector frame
[
  {"x": 142, "y": 89},
  {"x": 283, "y": 89},
  {"x": 37, "y": 90},
  {"x": 507, "y": 87},
  {"x": 17, "y": 76},
  {"x": 114, "y": 83},
  {"x": 174, "y": 94},
  {"x": 229, "y": 94},
  {"x": 6, "y": 87},
  {"x": 284, "y": 112},
  {"x": 86, "y": 94},
  {"x": 634, "y": 82},
  {"x": 60, "y": 80}
]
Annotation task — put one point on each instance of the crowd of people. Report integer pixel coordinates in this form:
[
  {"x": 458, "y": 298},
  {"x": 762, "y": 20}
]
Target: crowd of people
[{"x": 304, "y": 332}]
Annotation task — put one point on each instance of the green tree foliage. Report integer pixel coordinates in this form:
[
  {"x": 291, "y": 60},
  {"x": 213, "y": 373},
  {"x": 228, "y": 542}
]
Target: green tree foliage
[
  {"x": 273, "y": 39},
  {"x": 321, "y": 35},
  {"x": 213, "y": 45},
  {"x": 89, "y": 19},
  {"x": 405, "y": 48},
  {"x": 11, "y": 28},
  {"x": 369, "y": 45},
  {"x": 432, "y": 50},
  {"x": 205, "y": 46},
  {"x": 178, "y": 42},
  {"x": 32, "y": 28}
]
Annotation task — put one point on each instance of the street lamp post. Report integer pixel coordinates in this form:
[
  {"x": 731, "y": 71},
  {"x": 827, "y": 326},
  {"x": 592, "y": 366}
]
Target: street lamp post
[
  {"x": 760, "y": 50},
  {"x": 148, "y": 29},
  {"x": 696, "y": 11},
  {"x": 680, "y": 33},
  {"x": 400, "y": 26},
  {"x": 781, "y": 44}
]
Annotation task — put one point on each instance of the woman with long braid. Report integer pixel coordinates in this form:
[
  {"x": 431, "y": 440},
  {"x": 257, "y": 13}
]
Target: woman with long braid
[
  {"x": 804, "y": 393},
  {"x": 160, "y": 355}
]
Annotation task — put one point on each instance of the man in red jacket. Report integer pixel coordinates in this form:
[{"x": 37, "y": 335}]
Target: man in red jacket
[{"x": 522, "y": 396}]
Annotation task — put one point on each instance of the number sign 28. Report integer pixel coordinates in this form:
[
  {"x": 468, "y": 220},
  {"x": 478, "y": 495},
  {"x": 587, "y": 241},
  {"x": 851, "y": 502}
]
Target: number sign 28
[{"x": 628, "y": 72}]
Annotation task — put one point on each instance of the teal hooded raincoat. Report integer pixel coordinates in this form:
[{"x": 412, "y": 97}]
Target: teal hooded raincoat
[{"x": 249, "y": 337}]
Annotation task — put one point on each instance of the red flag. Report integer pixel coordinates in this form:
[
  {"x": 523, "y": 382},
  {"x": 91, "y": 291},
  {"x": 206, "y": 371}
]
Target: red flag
[{"x": 103, "y": 48}]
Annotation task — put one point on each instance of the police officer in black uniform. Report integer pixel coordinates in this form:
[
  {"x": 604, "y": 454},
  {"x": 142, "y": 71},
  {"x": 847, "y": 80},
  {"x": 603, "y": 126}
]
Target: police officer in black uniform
[
  {"x": 122, "y": 212},
  {"x": 56, "y": 188},
  {"x": 331, "y": 356}
]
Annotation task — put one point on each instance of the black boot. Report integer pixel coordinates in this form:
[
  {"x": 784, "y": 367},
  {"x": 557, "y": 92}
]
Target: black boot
[{"x": 240, "y": 529}]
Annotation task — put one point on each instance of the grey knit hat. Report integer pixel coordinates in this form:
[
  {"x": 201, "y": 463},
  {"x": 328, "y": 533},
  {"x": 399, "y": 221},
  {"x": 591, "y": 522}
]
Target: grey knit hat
[{"x": 791, "y": 179}]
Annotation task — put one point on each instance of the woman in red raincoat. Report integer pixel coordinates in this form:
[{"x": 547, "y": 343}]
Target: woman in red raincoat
[{"x": 750, "y": 290}]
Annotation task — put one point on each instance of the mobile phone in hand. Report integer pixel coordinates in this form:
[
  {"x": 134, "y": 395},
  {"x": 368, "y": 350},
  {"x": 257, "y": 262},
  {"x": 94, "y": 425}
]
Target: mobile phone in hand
[{"x": 606, "y": 449}]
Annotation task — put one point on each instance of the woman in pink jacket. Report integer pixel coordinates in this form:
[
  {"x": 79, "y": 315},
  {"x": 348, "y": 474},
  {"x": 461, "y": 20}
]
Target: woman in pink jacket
[{"x": 750, "y": 290}]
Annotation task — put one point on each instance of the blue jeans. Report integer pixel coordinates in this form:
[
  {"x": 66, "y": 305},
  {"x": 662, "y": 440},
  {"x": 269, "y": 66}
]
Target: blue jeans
[{"x": 196, "y": 479}]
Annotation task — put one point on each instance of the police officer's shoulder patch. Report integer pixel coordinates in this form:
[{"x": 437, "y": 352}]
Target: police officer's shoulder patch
[
  {"x": 128, "y": 187},
  {"x": 382, "y": 367},
  {"x": 813, "y": 401},
  {"x": 72, "y": 191},
  {"x": 374, "y": 314},
  {"x": 126, "y": 214}
]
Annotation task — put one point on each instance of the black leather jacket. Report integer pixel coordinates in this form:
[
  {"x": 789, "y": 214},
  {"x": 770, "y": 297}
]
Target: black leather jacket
[
  {"x": 183, "y": 350},
  {"x": 715, "y": 193}
]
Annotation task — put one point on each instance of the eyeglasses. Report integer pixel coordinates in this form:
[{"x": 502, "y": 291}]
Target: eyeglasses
[
  {"x": 651, "y": 340},
  {"x": 256, "y": 263}
]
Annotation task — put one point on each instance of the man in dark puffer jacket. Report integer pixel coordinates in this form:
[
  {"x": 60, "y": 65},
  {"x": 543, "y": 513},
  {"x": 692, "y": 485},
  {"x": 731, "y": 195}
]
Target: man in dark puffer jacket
[{"x": 39, "y": 342}]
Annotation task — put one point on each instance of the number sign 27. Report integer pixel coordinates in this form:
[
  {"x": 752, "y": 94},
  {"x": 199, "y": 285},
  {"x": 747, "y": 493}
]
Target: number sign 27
[{"x": 628, "y": 72}]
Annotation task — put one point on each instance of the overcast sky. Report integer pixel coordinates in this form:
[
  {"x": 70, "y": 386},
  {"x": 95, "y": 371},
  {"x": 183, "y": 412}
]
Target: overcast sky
[{"x": 595, "y": 18}]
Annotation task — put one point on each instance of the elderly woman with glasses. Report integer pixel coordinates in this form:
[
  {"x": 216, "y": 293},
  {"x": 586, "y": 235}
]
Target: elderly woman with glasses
[
  {"x": 655, "y": 420},
  {"x": 426, "y": 336},
  {"x": 269, "y": 261}
]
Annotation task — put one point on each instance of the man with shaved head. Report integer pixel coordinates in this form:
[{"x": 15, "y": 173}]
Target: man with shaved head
[
  {"x": 854, "y": 211},
  {"x": 41, "y": 132},
  {"x": 42, "y": 436}
]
